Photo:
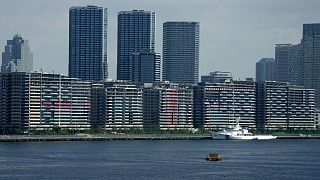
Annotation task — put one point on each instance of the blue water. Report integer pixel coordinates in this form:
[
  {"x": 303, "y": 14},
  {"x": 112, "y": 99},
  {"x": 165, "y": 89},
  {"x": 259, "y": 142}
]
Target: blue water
[{"x": 139, "y": 160}]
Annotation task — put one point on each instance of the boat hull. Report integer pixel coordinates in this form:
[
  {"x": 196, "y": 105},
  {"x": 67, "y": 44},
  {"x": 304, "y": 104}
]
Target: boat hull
[
  {"x": 242, "y": 137},
  {"x": 265, "y": 137}
]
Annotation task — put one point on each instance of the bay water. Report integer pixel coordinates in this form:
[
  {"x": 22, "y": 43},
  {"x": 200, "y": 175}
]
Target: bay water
[{"x": 161, "y": 159}]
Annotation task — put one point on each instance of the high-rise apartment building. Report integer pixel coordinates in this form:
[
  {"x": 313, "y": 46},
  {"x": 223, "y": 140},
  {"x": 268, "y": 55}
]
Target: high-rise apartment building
[
  {"x": 181, "y": 52},
  {"x": 168, "y": 106},
  {"x": 136, "y": 33},
  {"x": 43, "y": 101},
  {"x": 123, "y": 105},
  {"x": 311, "y": 59},
  {"x": 282, "y": 106},
  {"x": 217, "y": 106},
  {"x": 88, "y": 43},
  {"x": 265, "y": 70},
  {"x": 145, "y": 67},
  {"x": 17, "y": 56}
]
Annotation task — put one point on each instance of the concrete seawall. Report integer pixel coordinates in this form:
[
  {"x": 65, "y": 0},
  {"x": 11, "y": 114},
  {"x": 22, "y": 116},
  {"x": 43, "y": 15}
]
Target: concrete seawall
[
  {"x": 298, "y": 137},
  {"x": 30, "y": 138},
  {"x": 26, "y": 138}
]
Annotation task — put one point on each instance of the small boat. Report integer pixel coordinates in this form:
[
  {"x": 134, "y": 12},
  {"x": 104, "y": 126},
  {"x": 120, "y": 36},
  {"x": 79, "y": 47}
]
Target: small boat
[{"x": 214, "y": 157}]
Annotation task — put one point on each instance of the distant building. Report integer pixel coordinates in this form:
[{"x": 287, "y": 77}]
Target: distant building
[
  {"x": 168, "y": 106},
  {"x": 87, "y": 43},
  {"x": 145, "y": 67},
  {"x": 98, "y": 106},
  {"x": 317, "y": 118},
  {"x": 181, "y": 52},
  {"x": 17, "y": 56},
  {"x": 265, "y": 70},
  {"x": 217, "y": 106},
  {"x": 216, "y": 77},
  {"x": 282, "y": 59},
  {"x": 124, "y": 105},
  {"x": 295, "y": 65},
  {"x": 283, "y": 106},
  {"x": 136, "y": 32},
  {"x": 311, "y": 59},
  {"x": 43, "y": 101}
]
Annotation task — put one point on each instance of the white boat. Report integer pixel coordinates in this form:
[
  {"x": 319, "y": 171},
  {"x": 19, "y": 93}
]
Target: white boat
[
  {"x": 233, "y": 132},
  {"x": 238, "y": 133}
]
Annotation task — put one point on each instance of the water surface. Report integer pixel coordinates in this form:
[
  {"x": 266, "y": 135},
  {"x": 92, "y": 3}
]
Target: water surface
[{"x": 160, "y": 160}]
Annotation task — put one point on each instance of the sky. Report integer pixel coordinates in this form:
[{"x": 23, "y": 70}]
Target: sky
[{"x": 234, "y": 34}]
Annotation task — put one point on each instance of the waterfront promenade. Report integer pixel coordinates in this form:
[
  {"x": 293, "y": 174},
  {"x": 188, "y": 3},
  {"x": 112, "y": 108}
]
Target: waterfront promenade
[{"x": 110, "y": 137}]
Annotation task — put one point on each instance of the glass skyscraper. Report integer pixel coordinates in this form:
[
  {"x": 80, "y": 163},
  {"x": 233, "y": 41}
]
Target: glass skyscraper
[
  {"x": 17, "y": 56},
  {"x": 311, "y": 59},
  {"x": 87, "y": 34},
  {"x": 136, "y": 32},
  {"x": 181, "y": 52},
  {"x": 145, "y": 67},
  {"x": 282, "y": 61},
  {"x": 265, "y": 70}
]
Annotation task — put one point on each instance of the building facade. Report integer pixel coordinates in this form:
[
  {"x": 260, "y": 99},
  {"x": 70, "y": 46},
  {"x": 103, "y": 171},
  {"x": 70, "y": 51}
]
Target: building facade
[
  {"x": 88, "y": 43},
  {"x": 282, "y": 59},
  {"x": 17, "y": 56},
  {"x": 265, "y": 70},
  {"x": 136, "y": 32},
  {"x": 145, "y": 67},
  {"x": 311, "y": 59},
  {"x": 217, "y": 106},
  {"x": 284, "y": 106},
  {"x": 124, "y": 105},
  {"x": 168, "y": 106},
  {"x": 217, "y": 77},
  {"x": 44, "y": 101},
  {"x": 181, "y": 52},
  {"x": 98, "y": 106}
]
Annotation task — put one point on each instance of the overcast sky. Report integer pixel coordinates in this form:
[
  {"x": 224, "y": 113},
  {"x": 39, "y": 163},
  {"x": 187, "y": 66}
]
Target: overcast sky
[{"x": 233, "y": 34}]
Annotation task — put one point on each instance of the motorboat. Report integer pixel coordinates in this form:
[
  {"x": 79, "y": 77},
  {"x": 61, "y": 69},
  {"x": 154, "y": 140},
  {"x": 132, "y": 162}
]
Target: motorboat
[
  {"x": 236, "y": 132},
  {"x": 233, "y": 132}
]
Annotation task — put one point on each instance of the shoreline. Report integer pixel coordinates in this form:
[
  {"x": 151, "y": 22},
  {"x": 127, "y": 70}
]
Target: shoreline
[{"x": 112, "y": 137}]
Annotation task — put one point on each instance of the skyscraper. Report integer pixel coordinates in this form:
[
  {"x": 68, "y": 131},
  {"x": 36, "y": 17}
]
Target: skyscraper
[
  {"x": 282, "y": 61},
  {"x": 136, "y": 32},
  {"x": 265, "y": 70},
  {"x": 87, "y": 33},
  {"x": 311, "y": 59},
  {"x": 145, "y": 67},
  {"x": 295, "y": 65},
  {"x": 181, "y": 52},
  {"x": 17, "y": 56}
]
